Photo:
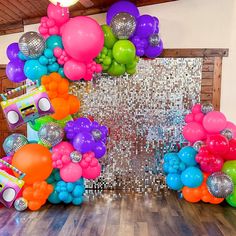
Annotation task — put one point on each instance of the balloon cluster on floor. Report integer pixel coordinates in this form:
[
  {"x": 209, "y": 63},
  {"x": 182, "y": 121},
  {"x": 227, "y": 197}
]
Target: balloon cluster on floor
[
  {"x": 205, "y": 170},
  {"x": 52, "y": 169}
]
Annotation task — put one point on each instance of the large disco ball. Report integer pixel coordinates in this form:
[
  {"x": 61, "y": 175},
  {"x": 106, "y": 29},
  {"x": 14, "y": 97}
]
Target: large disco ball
[
  {"x": 32, "y": 44},
  {"x": 220, "y": 185},
  {"x": 123, "y": 25},
  {"x": 51, "y": 134},
  {"x": 14, "y": 142}
]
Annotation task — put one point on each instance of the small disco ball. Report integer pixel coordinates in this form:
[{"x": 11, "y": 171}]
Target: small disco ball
[
  {"x": 32, "y": 44},
  {"x": 207, "y": 107},
  {"x": 76, "y": 157},
  {"x": 227, "y": 133},
  {"x": 51, "y": 134},
  {"x": 220, "y": 185},
  {"x": 97, "y": 134},
  {"x": 197, "y": 145},
  {"x": 154, "y": 40},
  {"x": 123, "y": 25},
  {"x": 14, "y": 142},
  {"x": 21, "y": 204}
]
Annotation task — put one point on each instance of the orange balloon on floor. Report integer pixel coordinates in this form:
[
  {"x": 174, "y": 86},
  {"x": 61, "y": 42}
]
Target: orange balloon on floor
[{"x": 35, "y": 161}]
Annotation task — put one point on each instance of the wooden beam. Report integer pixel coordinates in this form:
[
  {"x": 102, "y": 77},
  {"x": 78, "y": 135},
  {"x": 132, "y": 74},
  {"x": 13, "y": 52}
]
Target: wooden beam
[{"x": 11, "y": 28}]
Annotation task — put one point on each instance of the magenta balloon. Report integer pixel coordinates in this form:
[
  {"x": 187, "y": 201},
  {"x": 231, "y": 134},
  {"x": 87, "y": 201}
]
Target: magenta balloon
[
  {"x": 15, "y": 71},
  {"x": 146, "y": 26},
  {"x": 122, "y": 6},
  {"x": 83, "y": 38},
  {"x": 153, "y": 52},
  {"x": 71, "y": 172},
  {"x": 59, "y": 14},
  {"x": 194, "y": 132},
  {"x": 74, "y": 70},
  {"x": 232, "y": 127},
  {"x": 214, "y": 122},
  {"x": 12, "y": 51}
]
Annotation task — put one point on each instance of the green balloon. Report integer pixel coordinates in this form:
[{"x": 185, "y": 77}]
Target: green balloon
[
  {"x": 109, "y": 37},
  {"x": 231, "y": 199},
  {"x": 124, "y": 51},
  {"x": 131, "y": 71},
  {"x": 63, "y": 122},
  {"x": 116, "y": 69},
  {"x": 38, "y": 123},
  {"x": 54, "y": 41},
  {"x": 107, "y": 61},
  {"x": 229, "y": 168}
]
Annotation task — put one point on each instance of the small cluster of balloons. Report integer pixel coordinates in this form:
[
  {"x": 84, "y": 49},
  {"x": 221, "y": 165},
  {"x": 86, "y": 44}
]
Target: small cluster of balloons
[
  {"x": 54, "y": 168},
  {"x": 206, "y": 170}
]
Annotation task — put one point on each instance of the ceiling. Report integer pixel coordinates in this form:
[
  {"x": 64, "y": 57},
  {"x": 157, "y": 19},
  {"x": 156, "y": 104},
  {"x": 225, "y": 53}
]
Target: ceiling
[{"x": 14, "y": 14}]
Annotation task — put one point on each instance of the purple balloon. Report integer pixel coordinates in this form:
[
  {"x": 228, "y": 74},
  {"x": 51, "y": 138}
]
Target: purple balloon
[
  {"x": 153, "y": 52},
  {"x": 83, "y": 142},
  {"x": 83, "y": 124},
  {"x": 122, "y": 6},
  {"x": 146, "y": 26},
  {"x": 99, "y": 149},
  {"x": 12, "y": 51},
  {"x": 15, "y": 71}
]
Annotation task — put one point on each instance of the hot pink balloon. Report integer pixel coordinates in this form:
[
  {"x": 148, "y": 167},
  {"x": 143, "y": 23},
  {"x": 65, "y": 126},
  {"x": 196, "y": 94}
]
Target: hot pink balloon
[
  {"x": 83, "y": 38},
  {"x": 198, "y": 117},
  {"x": 92, "y": 172},
  {"x": 59, "y": 14},
  {"x": 194, "y": 132},
  {"x": 214, "y": 122},
  {"x": 189, "y": 118},
  {"x": 196, "y": 108},
  {"x": 74, "y": 70},
  {"x": 71, "y": 172},
  {"x": 232, "y": 127}
]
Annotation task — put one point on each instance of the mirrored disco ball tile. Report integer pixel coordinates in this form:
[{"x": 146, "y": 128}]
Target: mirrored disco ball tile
[{"x": 145, "y": 113}]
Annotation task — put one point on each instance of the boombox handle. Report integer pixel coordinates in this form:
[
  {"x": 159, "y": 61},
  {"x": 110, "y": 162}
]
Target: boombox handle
[
  {"x": 22, "y": 175},
  {"x": 4, "y": 95}
]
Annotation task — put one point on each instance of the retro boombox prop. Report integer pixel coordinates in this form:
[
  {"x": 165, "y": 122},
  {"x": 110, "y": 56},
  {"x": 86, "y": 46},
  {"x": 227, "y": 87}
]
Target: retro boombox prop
[
  {"x": 10, "y": 186},
  {"x": 26, "y": 107}
]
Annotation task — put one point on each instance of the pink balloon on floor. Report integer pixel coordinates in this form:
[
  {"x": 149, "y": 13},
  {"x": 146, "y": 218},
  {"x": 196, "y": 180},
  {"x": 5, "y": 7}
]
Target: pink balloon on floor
[
  {"x": 83, "y": 38},
  {"x": 71, "y": 172}
]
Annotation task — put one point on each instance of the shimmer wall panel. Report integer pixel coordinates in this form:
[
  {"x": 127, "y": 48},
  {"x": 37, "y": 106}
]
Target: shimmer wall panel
[{"x": 145, "y": 114}]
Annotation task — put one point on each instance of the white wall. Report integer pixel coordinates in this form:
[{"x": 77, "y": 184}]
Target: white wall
[{"x": 188, "y": 24}]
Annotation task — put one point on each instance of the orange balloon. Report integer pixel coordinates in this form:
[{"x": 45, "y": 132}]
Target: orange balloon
[
  {"x": 74, "y": 104},
  {"x": 61, "y": 107},
  {"x": 63, "y": 86},
  {"x": 191, "y": 194},
  {"x": 35, "y": 161}
]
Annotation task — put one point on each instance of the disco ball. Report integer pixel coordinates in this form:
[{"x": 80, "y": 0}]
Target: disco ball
[
  {"x": 51, "y": 134},
  {"x": 220, "y": 185},
  {"x": 154, "y": 40},
  {"x": 32, "y": 44},
  {"x": 76, "y": 157},
  {"x": 21, "y": 204},
  {"x": 197, "y": 145},
  {"x": 14, "y": 142},
  {"x": 207, "y": 107},
  {"x": 123, "y": 25},
  {"x": 227, "y": 133},
  {"x": 97, "y": 134}
]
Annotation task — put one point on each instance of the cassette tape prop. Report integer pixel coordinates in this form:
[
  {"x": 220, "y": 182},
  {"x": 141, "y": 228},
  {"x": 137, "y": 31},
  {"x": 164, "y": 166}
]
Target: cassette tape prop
[
  {"x": 10, "y": 186},
  {"x": 27, "y": 107}
]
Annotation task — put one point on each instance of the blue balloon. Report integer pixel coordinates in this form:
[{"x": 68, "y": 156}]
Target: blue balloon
[
  {"x": 61, "y": 72},
  {"x": 43, "y": 60},
  {"x": 54, "y": 198},
  {"x": 53, "y": 67},
  {"x": 22, "y": 56},
  {"x": 188, "y": 155},
  {"x": 54, "y": 41},
  {"x": 171, "y": 155},
  {"x": 192, "y": 177},
  {"x": 34, "y": 70},
  {"x": 174, "y": 181},
  {"x": 48, "y": 53}
]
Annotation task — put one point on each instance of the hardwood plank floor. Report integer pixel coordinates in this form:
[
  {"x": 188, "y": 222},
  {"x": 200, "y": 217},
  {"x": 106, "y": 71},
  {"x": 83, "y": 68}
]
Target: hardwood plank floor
[{"x": 122, "y": 214}]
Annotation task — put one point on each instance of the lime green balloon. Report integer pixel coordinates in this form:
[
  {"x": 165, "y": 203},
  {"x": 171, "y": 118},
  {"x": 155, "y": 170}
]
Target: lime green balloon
[
  {"x": 109, "y": 37},
  {"x": 229, "y": 168},
  {"x": 131, "y": 71},
  {"x": 231, "y": 199},
  {"x": 116, "y": 69},
  {"x": 132, "y": 65},
  {"x": 38, "y": 123},
  {"x": 63, "y": 122},
  {"x": 124, "y": 52}
]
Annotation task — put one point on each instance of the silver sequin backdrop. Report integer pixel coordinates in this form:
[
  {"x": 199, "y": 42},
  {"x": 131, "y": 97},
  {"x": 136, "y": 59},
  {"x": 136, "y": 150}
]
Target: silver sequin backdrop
[{"x": 145, "y": 114}]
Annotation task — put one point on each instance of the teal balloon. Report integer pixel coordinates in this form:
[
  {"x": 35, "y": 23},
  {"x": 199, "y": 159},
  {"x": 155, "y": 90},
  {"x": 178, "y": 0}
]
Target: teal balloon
[
  {"x": 174, "y": 182},
  {"x": 54, "y": 41},
  {"x": 53, "y": 67},
  {"x": 34, "y": 70},
  {"x": 192, "y": 177},
  {"x": 188, "y": 155},
  {"x": 43, "y": 60},
  {"x": 22, "y": 56},
  {"x": 54, "y": 198},
  {"x": 61, "y": 72},
  {"x": 48, "y": 53}
]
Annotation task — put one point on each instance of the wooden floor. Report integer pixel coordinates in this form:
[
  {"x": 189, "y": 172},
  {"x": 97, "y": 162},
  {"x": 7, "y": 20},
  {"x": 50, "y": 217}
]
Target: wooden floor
[{"x": 123, "y": 215}]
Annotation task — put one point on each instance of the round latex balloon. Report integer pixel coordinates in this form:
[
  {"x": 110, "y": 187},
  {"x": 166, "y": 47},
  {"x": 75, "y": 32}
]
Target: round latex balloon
[{"x": 35, "y": 161}]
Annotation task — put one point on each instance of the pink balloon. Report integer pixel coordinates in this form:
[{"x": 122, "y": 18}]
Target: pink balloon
[
  {"x": 54, "y": 30},
  {"x": 232, "y": 127},
  {"x": 59, "y": 14},
  {"x": 43, "y": 30},
  {"x": 214, "y": 122},
  {"x": 71, "y": 172},
  {"x": 198, "y": 117},
  {"x": 194, "y": 132},
  {"x": 57, "y": 52},
  {"x": 92, "y": 172},
  {"x": 74, "y": 70},
  {"x": 189, "y": 118},
  {"x": 98, "y": 68},
  {"x": 83, "y": 38},
  {"x": 196, "y": 108}
]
